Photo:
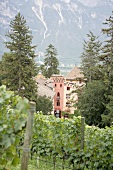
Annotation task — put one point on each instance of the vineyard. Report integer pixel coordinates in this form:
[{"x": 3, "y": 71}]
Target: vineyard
[
  {"x": 53, "y": 139},
  {"x": 62, "y": 138}
]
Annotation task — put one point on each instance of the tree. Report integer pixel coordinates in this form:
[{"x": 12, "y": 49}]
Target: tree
[
  {"x": 91, "y": 102},
  {"x": 44, "y": 104},
  {"x": 107, "y": 117},
  {"x": 96, "y": 100},
  {"x": 107, "y": 62},
  {"x": 19, "y": 64},
  {"x": 89, "y": 58},
  {"x": 51, "y": 63},
  {"x": 107, "y": 53},
  {"x": 1, "y": 75}
]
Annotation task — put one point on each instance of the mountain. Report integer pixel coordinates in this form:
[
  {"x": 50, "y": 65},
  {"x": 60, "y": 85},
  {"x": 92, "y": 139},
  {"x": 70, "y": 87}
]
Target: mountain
[{"x": 63, "y": 23}]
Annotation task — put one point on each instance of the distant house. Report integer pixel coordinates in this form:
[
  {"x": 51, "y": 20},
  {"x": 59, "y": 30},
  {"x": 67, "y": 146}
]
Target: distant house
[
  {"x": 45, "y": 88},
  {"x": 62, "y": 90},
  {"x": 75, "y": 75},
  {"x": 73, "y": 81},
  {"x": 65, "y": 90}
]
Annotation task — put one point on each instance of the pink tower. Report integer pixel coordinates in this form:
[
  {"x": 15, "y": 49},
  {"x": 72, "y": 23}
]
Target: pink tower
[{"x": 58, "y": 84}]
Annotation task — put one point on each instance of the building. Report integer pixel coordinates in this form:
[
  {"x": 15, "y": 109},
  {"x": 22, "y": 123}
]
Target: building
[
  {"x": 58, "y": 88},
  {"x": 62, "y": 90},
  {"x": 65, "y": 90},
  {"x": 74, "y": 80},
  {"x": 45, "y": 87}
]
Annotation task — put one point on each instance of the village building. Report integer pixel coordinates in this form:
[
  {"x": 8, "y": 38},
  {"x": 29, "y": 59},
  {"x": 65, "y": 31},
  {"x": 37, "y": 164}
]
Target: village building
[
  {"x": 45, "y": 88},
  {"x": 61, "y": 90},
  {"x": 66, "y": 90}
]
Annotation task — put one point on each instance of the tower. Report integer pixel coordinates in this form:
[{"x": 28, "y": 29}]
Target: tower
[{"x": 58, "y": 84}]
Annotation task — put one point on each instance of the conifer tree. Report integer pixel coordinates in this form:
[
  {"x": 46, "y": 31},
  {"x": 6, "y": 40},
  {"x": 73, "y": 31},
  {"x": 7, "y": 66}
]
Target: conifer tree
[
  {"x": 51, "y": 62},
  {"x": 107, "y": 62},
  {"x": 97, "y": 98},
  {"x": 89, "y": 58},
  {"x": 91, "y": 102},
  {"x": 107, "y": 52},
  {"x": 107, "y": 116},
  {"x": 19, "y": 64}
]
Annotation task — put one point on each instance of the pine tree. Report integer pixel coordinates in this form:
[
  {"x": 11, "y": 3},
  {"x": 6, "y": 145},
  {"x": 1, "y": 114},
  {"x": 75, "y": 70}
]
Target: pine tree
[
  {"x": 91, "y": 102},
  {"x": 107, "y": 117},
  {"x": 51, "y": 62},
  {"x": 89, "y": 58},
  {"x": 107, "y": 62},
  {"x": 107, "y": 55},
  {"x": 19, "y": 64}
]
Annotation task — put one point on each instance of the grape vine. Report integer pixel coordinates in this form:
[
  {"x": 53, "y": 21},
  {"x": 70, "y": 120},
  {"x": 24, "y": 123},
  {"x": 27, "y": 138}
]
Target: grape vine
[
  {"x": 52, "y": 137},
  {"x": 12, "y": 120},
  {"x": 62, "y": 137}
]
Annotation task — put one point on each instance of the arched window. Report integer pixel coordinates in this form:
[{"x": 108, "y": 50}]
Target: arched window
[{"x": 58, "y": 94}]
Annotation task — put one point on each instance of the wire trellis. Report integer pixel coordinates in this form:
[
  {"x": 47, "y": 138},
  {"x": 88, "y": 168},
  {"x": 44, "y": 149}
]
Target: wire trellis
[
  {"x": 45, "y": 161},
  {"x": 54, "y": 165}
]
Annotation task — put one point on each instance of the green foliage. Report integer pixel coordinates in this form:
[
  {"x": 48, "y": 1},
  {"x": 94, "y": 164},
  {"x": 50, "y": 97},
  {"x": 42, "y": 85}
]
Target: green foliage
[
  {"x": 76, "y": 114},
  {"x": 107, "y": 117},
  {"x": 90, "y": 57},
  {"x": 98, "y": 150},
  {"x": 44, "y": 104},
  {"x": 107, "y": 52},
  {"x": 62, "y": 137},
  {"x": 55, "y": 136},
  {"x": 97, "y": 64},
  {"x": 51, "y": 63},
  {"x": 64, "y": 112},
  {"x": 19, "y": 65},
  {"x": 107, "y": 61},
  {"x": 91, "y": 102},
  {"x": 12, "y": 121},
  {"x": 2, "y": 75}
]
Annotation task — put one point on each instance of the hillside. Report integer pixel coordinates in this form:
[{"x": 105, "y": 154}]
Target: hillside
[{"x": 63, "y": 23}]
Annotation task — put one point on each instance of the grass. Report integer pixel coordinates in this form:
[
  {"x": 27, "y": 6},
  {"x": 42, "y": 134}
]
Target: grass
[{"x": 43, "y": 164}]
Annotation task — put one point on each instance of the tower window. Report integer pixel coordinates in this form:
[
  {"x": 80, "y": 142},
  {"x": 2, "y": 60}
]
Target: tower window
[
  {"x": 60, "y": 85},
  {"x": 58, "y": 103},
  {"x": 58, "y": 94}
]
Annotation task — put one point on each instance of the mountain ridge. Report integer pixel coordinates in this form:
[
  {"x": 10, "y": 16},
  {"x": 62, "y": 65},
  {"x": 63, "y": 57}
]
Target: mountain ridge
[{"x": 63, "y": 23}]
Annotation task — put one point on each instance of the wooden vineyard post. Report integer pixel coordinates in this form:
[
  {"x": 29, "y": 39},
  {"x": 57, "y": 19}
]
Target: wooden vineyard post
[
  {"x": 82, "y": 131},
  {"x": 28, "y": 136}
]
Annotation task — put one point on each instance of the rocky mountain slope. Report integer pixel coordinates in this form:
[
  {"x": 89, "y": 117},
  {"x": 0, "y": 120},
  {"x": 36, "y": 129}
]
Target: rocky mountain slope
[{"x": 63, "y": 23}]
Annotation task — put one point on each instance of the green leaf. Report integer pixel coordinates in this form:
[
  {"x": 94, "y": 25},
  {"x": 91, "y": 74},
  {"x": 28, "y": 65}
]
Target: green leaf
[
  {"x": 1, "y": 128},
  {"x": 7, "y": 142},
  {"x": 15, "y": 161},
  {"x": 22, "y": 105}
]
